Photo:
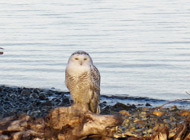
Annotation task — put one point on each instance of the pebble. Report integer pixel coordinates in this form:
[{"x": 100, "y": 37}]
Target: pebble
[
  {"x": 25, "y": 93},
  {"x": 158, "y": 113},
  {"x": 123, "y": 112}
]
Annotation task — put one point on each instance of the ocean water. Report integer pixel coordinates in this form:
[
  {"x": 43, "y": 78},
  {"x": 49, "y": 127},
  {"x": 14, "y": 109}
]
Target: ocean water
[{"x": 141, "y": 48}]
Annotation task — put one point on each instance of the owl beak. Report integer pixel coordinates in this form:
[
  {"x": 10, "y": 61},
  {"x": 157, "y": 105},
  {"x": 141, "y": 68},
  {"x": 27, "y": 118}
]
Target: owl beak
[{"x": 80, "y": 62}]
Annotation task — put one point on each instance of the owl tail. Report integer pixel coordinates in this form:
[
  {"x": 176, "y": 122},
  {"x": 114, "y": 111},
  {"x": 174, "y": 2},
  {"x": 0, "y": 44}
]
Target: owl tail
[
  {"x": 94, "y": 107},
  {"x": 98, "y": 110}
]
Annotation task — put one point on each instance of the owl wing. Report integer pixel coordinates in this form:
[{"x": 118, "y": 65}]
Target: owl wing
[
  {"x": 95, "y": 87},
  {"x": 95, "y": 77}
]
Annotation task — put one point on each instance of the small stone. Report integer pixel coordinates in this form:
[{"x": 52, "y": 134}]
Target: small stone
[
  {"x": 106, "y": 110},
  {"x": 146, "y": 109},
  {"x": 123, "y": 112},
  {"x": 42, "y": 95},
  {"x": 1, "y": 89},
  {"x": 185, "y": 113},
  {"x": 149, "y": 131},
  {"x": 157, "y": 113},
  {"x": 48, "y": 103},
  {"x": 25, "y": 93},
  {"x": 34, "y": 95},
  {"x": 174, "y": 108},
  {"x": 36, "y": 90},
  {"x": 103, "y": 104},
  {"x": 120, "y": 106},
  {"x": 136, "y": 120},
  {"x": 66, "y": 101},
  {"x": 56, "y": 100},
  {"x": 126, "y": 121},
  {"x": 61, "y": 137},
  {"x": 147, "y": 104}
]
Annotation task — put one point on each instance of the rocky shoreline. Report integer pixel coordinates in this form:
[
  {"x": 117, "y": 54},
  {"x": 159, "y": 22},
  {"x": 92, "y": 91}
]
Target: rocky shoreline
[
  {"x": 32, "y": 101},
  {"x": 38, "y": 102},
  {"x": 140, "y": 121}
]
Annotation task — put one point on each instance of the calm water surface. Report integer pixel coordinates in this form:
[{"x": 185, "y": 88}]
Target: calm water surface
[{"x": 142, "y": 48}]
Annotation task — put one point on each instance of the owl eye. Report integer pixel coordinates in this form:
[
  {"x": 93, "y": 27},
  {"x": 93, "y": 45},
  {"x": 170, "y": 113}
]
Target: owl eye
[
  {"x": 85, "y": 58},
  {"x": 76, "y": 58}
]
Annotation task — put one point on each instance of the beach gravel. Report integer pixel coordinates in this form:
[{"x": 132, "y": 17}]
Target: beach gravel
[{"x": 32, "y": 101}]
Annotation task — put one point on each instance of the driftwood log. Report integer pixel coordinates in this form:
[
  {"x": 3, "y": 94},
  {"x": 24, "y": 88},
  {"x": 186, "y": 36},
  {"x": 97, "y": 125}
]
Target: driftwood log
[
  {"x": 76, "y": 123},
  {"x": 63, "y": 123}
]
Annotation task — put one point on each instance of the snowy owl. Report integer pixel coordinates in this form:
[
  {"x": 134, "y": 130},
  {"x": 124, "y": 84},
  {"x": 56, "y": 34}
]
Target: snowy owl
[{"x": 83, "y": 81}]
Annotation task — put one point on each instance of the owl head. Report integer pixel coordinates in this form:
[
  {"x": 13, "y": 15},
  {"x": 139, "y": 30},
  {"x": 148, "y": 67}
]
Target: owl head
[{"x": 80, "y": 58}]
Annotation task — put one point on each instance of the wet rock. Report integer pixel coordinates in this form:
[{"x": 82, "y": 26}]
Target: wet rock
[
  {"x": 56, "y": 100},
  {"x": 35, "y": 90},
  {"x": 66, "y": 102},
  {"x": 158, "y": 113},
  {"x": 147, "y": 104},
  {"x": 106, "y": 110},
  {"x": 1, "y": 89},
  {"x": 121, "y": 106},
  {"x": 103, "y": 104},
  {"x": 185, "y": 113},
  {"x": 25, "y": 93},
  {"x": 42, "y": 96},
  {"x": 123, "y": 112},
  {"x": 34, "y": 95},
  {"x": 48, "y": 103}
]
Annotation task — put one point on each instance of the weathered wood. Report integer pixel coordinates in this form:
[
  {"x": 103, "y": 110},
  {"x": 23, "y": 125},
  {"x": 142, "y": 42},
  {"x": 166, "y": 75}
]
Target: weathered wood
[
  {"x": 63, "y": 123},
  {"x": 75, "y": 123},
  {"x": 162, "y": 133}
]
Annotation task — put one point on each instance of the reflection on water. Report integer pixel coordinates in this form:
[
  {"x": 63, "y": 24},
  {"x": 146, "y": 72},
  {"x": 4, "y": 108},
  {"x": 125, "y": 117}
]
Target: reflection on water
[{"x": 142, "y": 48}]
